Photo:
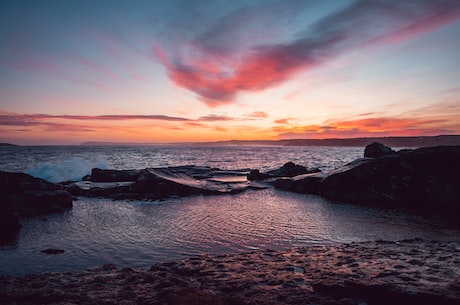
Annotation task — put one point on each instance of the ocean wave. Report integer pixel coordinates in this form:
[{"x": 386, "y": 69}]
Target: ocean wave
[{"x": 73, "y": 169}]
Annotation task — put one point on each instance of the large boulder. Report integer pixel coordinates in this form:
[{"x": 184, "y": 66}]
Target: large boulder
[
  {"x": 11, "y": 183},
  {"x": 287, "y": 170},
  {"x": 24, "y": 195},
  {"x": 424, "y": 179},
  {"x": 377, "y": 150},
  {"x": 9, "y": 225},
  {"x": 111, "y": 175}
]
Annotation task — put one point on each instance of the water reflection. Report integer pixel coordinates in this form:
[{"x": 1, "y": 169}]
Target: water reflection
[{"x": 138, "y": 234}]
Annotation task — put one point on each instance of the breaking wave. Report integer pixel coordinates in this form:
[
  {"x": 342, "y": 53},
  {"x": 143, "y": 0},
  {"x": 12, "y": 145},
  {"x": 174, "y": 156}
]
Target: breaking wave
[{"x": 73, "y": 169}]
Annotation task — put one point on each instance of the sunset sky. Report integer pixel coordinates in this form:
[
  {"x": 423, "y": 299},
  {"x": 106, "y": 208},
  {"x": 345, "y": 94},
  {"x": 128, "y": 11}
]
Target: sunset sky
[{"x": 191, "y": 70}]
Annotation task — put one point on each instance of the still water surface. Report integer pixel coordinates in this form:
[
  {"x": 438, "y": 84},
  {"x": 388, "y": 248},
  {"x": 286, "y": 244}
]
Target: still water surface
[{"x": 138, "y": 234}]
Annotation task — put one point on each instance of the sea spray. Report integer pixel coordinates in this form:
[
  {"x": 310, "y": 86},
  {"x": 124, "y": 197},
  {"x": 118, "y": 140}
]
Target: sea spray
[{"x": 67, "y": 170}]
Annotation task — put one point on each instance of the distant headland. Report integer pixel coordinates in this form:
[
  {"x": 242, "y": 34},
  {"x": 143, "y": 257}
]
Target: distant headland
[
  {"x": 350, "y": 142},
  {"x": 7, "y": 144}
]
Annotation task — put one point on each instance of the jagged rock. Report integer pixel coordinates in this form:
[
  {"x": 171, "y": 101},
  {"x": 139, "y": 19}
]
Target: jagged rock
[
  {"x": 287, "y": 170},
  {"x": 24, "y": 195},
  {"x": 9, "y": 225},
  {"x": 19, "y": 182},
  {"x": 110, "y": 175},
  {"x": 377, "y": 150},
  {"x": 159, "y": 183},
  {"x": 32, "y": 203},
  {"x": 424, "y": 179},
  {"x": 255, "y": 174}
]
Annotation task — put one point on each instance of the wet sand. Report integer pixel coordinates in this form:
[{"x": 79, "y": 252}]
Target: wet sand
[{"x": 381, "y": 272}]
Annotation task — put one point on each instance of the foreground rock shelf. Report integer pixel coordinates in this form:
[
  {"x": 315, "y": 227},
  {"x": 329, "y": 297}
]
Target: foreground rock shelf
[{"x": 381, "y": 272}]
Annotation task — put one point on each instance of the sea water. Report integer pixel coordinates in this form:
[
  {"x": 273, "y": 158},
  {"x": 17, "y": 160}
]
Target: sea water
[{"x": 98, "y": 231}]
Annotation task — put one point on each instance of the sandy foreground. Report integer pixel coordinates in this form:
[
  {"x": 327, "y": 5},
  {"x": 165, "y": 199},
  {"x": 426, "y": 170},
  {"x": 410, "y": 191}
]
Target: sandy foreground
[{"x": 381, "y": 272}]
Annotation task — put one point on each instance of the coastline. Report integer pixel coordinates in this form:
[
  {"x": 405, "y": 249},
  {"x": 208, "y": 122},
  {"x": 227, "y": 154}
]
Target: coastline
[{"x": 377, "y": 272}]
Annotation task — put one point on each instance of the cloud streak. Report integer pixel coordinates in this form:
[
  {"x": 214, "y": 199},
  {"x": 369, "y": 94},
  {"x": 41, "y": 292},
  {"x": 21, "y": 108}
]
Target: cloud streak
[
  {"x": 372, "y": 127},
  {"x": 224, "y": 64},
  {"x": 40, "y": 119}
]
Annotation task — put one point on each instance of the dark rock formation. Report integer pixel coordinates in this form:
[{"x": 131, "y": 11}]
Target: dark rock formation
[
  {"x": 11, "y": 183},
  {"x": 377, "y": 150},
  {"x": 158, "y": 183},
  {"x": 9, "y": 225},
  {"x": 24, "y": 195},
  {"x": 109, "y": 175},
  {"x": 424, "y": 179},
  {"x": 287, "y": 170}
]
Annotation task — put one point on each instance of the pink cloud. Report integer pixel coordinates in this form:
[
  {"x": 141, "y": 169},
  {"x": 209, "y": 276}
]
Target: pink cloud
[{"x": 217, "y": 70}]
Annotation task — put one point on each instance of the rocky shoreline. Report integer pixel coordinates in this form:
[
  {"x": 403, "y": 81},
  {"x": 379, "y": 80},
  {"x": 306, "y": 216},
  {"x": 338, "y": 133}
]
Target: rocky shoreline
[
  {"x": 378, "y": 272},
  {"x": 423, "y": 180}
]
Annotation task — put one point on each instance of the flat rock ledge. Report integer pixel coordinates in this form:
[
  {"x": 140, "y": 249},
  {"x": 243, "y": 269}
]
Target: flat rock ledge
[{"x": 380, "y": 272}]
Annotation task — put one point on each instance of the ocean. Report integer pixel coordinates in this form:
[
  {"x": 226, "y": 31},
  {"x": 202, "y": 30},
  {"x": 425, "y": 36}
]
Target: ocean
[{"x": 98, "y": 231}]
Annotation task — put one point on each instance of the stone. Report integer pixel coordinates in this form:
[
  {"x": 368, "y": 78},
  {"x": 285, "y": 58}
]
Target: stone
[
  {"x": 289, "y": 170},
  {"x": 32, "y": 203},
  {"x": 377, "y": 150},
  {"x": 9, "y": 225},
  {"x": 111, "y": 175},
  {"x": 23, "y": 195},
  {"x": 11, "y": 183}
]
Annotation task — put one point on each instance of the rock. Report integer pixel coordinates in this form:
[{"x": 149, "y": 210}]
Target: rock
[
  {"x": 18, "y": 182},
  {"x": 425, "y": 179},
  {"x": 255, "y": 174},
  {"x": 99, "y": 189},
  {"x": 110, "y": 175},
  {"x": 287, "y": 170},
  {"x": 162, "y": 183},
  {"x": 377, "y": 150},
  {"x": 52, "y": 251},
  {"x": 24, "y": 195},
  {"x": 308, "y": 183},
  {"x": 9, "y": 225},
  {"x": 32, "y": 203}
]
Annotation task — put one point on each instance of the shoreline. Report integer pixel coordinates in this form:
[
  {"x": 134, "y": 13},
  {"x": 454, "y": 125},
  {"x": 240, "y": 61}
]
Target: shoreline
[{"x": 377, "y": 272}]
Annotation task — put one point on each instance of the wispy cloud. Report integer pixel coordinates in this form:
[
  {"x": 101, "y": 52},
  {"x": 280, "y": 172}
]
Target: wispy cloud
[
  {"x": 38, "y": 119},
  {"x": 371, "y": 127},
  {"x": 228, "y": 61},
  {"x": 215, "y": 118},
  {"x": 258, "y": 114}
]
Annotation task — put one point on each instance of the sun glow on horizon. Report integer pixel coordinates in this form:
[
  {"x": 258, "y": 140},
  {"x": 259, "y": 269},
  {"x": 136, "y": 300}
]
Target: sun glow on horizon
[{"x": 154, "y": 72}]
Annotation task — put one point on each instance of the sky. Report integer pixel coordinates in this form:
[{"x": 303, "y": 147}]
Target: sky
[{"x": 142, "y": 71}]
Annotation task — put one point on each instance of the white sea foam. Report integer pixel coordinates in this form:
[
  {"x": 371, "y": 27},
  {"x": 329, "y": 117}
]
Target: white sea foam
[{"x": 67, "y": 170}]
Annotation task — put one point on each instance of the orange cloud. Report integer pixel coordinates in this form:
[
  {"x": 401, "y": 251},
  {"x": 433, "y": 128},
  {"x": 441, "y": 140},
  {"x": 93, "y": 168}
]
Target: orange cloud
[
  {"x": 372, "y": 127},
  {"x": 258, "y": 114}
]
